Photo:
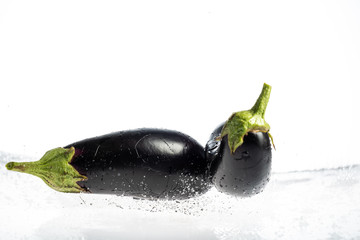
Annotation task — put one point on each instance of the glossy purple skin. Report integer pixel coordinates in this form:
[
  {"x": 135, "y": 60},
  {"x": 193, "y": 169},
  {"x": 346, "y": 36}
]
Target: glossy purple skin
[
  {"x": 143, "y": 163},
  {"x": 244, "y": 172}
]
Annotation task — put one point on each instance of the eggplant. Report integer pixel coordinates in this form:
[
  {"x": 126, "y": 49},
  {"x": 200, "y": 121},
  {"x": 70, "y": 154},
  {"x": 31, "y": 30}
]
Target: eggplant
[
  {"x": 239, "y": 151},
  {"x": 165, "y": 164},
  {"x": 244, "y": 172},
  {"x": 142, "y": 163}
]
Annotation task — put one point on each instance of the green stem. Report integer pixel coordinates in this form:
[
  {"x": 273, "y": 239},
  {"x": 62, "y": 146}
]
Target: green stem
[
  {"x": 54, "y": 169},
  {"x": 259, "y": 107},
  {"x": 240, "y": 123}
]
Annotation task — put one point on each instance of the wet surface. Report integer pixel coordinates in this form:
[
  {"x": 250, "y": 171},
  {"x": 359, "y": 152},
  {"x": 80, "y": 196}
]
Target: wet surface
[{"x": 317, "y": 204}]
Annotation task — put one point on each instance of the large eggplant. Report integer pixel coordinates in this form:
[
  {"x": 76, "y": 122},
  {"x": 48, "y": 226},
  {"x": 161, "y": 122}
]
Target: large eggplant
[{"x": 143, "y": 163}]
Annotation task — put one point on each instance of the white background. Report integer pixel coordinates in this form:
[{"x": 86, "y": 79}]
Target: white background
[{"x": 76, "y": 69}]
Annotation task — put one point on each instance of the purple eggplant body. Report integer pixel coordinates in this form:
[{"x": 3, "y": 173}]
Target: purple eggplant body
[
  {"x": 244, "y": 172},
  {"x": 144, "y": 163}
]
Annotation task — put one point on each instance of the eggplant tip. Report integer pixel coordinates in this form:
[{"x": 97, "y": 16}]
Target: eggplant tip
[{"x": 10, "y": 165}]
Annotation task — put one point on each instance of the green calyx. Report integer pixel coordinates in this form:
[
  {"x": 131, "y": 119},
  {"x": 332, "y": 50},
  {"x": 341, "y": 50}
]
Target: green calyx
[
  {"x": 54, "y": 169},
  {"x": 240, "y": 123}
]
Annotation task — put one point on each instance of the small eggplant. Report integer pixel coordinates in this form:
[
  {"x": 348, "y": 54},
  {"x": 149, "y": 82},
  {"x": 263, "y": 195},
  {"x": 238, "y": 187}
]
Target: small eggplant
[
  {"x": 143, "y": 163},
  {"x": 239, "y": 151}
]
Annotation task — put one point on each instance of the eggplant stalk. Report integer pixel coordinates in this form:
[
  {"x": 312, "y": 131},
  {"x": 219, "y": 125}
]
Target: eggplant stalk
[
  {"x": 240, "y": 123},
  {"x": 54, "y": 169}
]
